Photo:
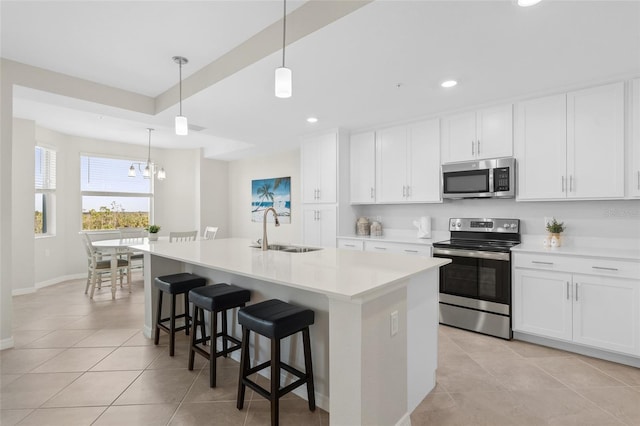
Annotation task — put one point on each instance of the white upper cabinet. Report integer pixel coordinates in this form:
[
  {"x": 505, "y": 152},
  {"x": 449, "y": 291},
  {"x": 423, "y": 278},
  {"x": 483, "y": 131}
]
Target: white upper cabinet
[
  {"x": 362, "y": 169},
  {"x": 408, "y": 163},
  {"x": 571, "y": 146},
  {"x": 634, "y": 164},
  {"x": 540, "y": 148},
  {"x": 595, "y": 142},
  {"x": 319, "y": 169},
  {"x": 487, "y": 133}
]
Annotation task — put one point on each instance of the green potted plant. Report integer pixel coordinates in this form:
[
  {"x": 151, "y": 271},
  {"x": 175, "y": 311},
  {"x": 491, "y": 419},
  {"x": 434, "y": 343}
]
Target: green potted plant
[
  {"x": 555, "y": 228},
  {"x": 153, "y": 232}
]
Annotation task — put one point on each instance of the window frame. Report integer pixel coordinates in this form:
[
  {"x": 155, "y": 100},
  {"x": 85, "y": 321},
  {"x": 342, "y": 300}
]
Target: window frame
[{"x": 48, "y": 191}]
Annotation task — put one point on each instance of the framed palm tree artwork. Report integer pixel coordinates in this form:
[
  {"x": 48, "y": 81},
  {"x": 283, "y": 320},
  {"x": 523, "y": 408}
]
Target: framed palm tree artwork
[{"x": 274, "y": 192}]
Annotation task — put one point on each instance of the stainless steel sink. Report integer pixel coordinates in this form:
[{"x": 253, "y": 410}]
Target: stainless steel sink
[{"x": 288, "y": 249}]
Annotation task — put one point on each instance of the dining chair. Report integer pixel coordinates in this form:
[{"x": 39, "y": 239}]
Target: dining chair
[
  {"x": 210, "y": 232},
  {"x": 99, "y": 266},
  {"x": 183, "y": 236},
  {"x": 132, "y": 236}
]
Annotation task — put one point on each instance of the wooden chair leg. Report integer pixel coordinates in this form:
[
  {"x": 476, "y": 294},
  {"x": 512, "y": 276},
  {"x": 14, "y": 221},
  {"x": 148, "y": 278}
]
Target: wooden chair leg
[
  {"x": 275, "y": 381},
  {"x": 244, "y": 366},
  {"x": 172, "y": 326},
  {"x": 213, "y": 348},
  {"x": 194, "y": 324},
  {"x": 225, "y": 342},
  {"x": 187, "y": 318},
  {"x": 203, "y": 327},
  {"x": 156, "y": 338},
  {"x": 308, "y": 368}
]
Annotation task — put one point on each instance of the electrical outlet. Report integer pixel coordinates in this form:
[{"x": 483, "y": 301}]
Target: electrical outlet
[{"x": 394, "y": 323}]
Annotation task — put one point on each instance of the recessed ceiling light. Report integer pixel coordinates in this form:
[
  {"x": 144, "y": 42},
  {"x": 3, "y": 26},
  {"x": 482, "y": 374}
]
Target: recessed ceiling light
[
  {"x": 312, "y": 120},
  {"x": 449, "y": 83},
  {"x": 527, "y": 3}
]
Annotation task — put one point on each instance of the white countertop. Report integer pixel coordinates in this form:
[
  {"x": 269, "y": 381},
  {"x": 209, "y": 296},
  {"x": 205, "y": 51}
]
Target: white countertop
[
  {"x": 589, "y": 247},
  {"x": 336, "y": 273}
]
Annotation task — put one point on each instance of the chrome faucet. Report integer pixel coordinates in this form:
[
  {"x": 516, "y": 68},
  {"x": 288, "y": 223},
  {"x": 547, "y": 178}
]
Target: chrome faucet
[{"x": 265, "y": 244}]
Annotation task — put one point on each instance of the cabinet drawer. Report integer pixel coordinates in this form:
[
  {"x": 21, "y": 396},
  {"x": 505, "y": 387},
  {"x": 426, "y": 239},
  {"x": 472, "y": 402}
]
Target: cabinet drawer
[
  {"x": 581, "y": 265},
  {"x": 413, "y": 249},
  {"x": 351, "y": 244}
]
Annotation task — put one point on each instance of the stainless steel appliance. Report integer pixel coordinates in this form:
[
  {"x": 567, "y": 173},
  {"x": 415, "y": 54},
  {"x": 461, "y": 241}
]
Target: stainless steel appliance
[
  {"x": 475, "y": 288},
  {"x": 494, "y": 178}
]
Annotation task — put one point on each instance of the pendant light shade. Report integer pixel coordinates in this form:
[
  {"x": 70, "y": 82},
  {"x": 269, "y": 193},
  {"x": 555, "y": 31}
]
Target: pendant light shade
[
  {"x": 150, "y": 168},
  {"x": 283, "y": 82},
  {"x": 132, "y": 171},
  {"x": 283, "y": 74},
  {"x": 182, "y": 127},
  {"x": 162, "y": 175}
]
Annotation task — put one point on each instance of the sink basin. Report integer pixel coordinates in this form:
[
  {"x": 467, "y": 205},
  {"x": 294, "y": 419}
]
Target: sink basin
[{"x": 288, "y": 249}]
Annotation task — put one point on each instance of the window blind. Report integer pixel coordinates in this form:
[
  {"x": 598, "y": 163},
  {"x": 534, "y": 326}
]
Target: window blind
[
  {"x": 45, "y": 176},
  {"x": 100, "y": 174}
]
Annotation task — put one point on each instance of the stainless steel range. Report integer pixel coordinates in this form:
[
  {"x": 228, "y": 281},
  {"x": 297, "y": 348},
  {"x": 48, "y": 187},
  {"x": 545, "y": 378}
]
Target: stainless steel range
[{"x": 475, "y": 288}]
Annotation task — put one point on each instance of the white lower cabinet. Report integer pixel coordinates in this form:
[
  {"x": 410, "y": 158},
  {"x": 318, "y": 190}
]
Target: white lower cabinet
[
  {"x": 356, "y": 245},
  {"x": 384, "y": 246},
  {"x": 595, "y": 310},
  {"x": 319, "y": 225}
]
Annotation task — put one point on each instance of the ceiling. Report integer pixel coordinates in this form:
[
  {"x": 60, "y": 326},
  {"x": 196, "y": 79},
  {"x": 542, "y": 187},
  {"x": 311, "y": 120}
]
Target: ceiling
[{"x": 356, "y": 65}]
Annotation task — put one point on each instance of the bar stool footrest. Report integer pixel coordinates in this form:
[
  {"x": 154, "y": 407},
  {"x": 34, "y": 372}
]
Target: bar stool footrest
[{"x": 302, "y": 379}]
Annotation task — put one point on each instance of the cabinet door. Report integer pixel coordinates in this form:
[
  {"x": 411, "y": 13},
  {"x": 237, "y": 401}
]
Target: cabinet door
[
  {"x": 310, "y": 226},
  {"x": 362, "y": 168},
  {"x": 391, "y": 159},
  {"x": 423, "y": 159},
  {"x": 328, "y": 162},
  {"x": 540, "y": 148},
  {"x": 494, "y": 134},
  {"x": 542, "y": 303},
  {"x": 459, "y": 137},
  {"x": 606, "y": 313},
  {"x": 349, "y": 244},
  {"x": 595, "y": 142},
  {"x": 328, "y": 222},
  {"x": 309, "y": 152},
  {"x": 634, "y": 166}
]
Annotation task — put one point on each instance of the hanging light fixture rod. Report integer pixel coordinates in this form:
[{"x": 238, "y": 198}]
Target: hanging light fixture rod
[
  {"x": 150, "y": 169},
  {"x": 283, "y": 74},
  {"x": 182, "y": 127}
]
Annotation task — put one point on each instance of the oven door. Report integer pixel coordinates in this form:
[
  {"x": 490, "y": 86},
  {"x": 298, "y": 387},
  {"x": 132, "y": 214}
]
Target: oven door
[{"x": 479, "y": 275}]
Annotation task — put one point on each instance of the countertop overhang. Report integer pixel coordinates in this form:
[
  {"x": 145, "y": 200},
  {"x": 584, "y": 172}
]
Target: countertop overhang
[{"x": 342, "y": 274}]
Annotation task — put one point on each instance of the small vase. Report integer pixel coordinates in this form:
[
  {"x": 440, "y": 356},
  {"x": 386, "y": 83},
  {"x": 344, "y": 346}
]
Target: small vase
[
  {"x": 555, "y": 240},
  {"x": 153, "y": 236}
]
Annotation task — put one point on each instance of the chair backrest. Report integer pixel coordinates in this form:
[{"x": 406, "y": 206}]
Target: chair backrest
[
  {"x": 92, "y": 253},
  {"x": 183, "y": 236},
  {"x": 210, "y": 232},
  {"x": 132, "y": 235}
]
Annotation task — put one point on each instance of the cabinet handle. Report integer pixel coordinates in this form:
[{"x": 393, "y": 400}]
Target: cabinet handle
[
  {"x": 478, "y": 146},
  {"x": 570, "y": 183},
  {"x": 541, "y": 263},
  {"x": 318, "y": 194},
  {"x": 410, "y": 251},
  {"x": 562, "y": 183},
  {"x": 408, "y": 191},
  {"x": 473, "y": 149},
  {"x": 604, "y": 269},
  {"x": 638, "y": 179},
  {"x": 318, "y": 215},
  {"x": 380, "y": 248},
  {"x": 577, "y": 291},
  {"x": 404, "y": 191},
  {"x": 372, "y": 192},
  {"x": 349, "y": 245},
  {"x": 568, "y": 297}
]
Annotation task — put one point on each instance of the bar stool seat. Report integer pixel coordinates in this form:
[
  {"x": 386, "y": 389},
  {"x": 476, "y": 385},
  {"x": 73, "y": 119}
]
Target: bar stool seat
[
  {"x": 276, "y": 320},
  {"x": 174, "y": 284},
  {"x": 214, "y": 298}
]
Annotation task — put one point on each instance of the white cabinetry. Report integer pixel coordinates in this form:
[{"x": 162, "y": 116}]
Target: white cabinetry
[
  {"x": 362, "y": 170},
  {"x": 408, "y": 163},
  {"x": 382, "y": 246},
  {"x": 319, "y": 169},
  {"x": 487, "y": 133},
  {"x": 589, "y": 301},
  {"x": 633, "y": 176},
  {"x": 320, "y": 225},
  {"x": 571, "y": 146}
]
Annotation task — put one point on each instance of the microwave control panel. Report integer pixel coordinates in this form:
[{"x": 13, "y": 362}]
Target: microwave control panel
[{"x": 501, "y": 179}]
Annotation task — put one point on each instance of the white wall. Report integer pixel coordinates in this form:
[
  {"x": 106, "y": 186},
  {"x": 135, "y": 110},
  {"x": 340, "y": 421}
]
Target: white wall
[
  {"x": 241, "y": 173},
  {"x": 614, "y": 219},
  {"x": 214, "y": 196}
]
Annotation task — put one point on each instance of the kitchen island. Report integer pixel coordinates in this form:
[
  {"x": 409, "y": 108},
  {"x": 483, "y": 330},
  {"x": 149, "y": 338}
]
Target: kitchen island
[{"x": 374, "y": 342}]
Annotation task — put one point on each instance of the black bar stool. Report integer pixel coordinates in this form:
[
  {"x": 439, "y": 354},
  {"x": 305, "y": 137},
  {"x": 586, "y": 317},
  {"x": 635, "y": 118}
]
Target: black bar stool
[
  {"x": 276, "y": 320},
  {"x": 175, "y": 284},
  {"x": 214, "y": 298}
]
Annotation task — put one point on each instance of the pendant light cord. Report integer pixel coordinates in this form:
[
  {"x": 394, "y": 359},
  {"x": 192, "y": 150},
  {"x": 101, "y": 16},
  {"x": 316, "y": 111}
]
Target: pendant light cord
[
  {"x": 284, "y": 30},
  {"x": 149, "y": 152},
  {"x": 180, "y": 74}
]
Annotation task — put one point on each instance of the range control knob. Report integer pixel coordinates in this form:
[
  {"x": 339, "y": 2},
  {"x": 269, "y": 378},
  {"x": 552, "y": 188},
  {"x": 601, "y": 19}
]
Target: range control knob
[
  {"x": 506, "y": 226},
  {"x": 458, "y": 224}
]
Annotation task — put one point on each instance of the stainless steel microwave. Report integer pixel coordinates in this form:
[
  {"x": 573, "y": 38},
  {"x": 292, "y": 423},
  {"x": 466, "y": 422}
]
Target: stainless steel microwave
[{"x": 492, "y": 178}]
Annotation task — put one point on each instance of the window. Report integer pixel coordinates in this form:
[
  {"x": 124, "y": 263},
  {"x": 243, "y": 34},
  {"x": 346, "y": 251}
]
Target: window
[
  {"x": 45, "y": 186},
  {"x": 110, "y": 198}
]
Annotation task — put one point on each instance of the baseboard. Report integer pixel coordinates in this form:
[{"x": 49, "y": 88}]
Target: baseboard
[
  {"x": 6, "y": 343},
  {"x": 22, "y": 291},
  {"x": 404, "y": 420},
  {"x": 57, "y": 280}
]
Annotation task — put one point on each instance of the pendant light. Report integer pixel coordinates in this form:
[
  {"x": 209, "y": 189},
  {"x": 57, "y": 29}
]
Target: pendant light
[
  {"x": 283, "y": 74},
  {"x": 150, "y": 168},
  {"x": 182, "y": 127}
]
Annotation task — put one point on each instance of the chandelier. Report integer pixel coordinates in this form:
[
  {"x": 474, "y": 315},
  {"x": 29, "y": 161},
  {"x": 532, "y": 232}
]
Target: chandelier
[{"x": 150, "y": 168}]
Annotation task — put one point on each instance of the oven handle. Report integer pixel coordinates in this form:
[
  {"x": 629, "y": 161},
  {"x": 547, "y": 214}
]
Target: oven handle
[{"x": 472, "y": 253}]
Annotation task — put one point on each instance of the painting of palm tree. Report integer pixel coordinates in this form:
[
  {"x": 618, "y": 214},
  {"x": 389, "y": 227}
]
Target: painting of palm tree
[{"x": 274, "y": 192}]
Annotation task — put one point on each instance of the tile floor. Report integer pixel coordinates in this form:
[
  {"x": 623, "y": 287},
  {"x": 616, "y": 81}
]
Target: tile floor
[{"x": 82, "y": 362}]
